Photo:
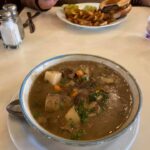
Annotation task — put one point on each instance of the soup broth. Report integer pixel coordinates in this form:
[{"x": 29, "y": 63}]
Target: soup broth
[{"x": 80, "y": 100}]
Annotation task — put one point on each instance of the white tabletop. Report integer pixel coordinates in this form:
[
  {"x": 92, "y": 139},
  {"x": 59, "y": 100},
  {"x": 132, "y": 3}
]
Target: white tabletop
[{"x": 124, "y": 44}]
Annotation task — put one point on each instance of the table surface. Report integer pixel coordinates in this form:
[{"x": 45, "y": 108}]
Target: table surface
[{"x": 124, "y": 44}]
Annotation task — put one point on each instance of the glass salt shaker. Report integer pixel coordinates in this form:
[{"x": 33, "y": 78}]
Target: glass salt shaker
[
  {"x": 13, "y": 10},
  {"x": 9, "y": 31}
]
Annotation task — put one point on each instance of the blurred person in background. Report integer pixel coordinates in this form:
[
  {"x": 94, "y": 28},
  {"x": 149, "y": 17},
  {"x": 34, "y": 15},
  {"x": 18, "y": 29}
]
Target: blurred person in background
[{"x": 43, "y": 5}]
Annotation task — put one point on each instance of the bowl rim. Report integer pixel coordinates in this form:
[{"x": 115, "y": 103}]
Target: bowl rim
[{"x": 69, "y": 141}]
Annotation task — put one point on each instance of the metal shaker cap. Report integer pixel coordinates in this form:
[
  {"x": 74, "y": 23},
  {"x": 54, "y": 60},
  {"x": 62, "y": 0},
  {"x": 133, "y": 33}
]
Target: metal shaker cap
[
  {"x": 4, "y": 15},
  {"x": 1, "y": 14},
  {"x": 11, "y": 7}
]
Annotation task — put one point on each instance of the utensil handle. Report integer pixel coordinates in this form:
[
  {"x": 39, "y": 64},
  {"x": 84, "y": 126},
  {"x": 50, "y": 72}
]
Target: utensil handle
[
  {"x": 31, "y": 24},
  {"x": 14, "y": 109},
  {"x": 26, "y": 24}
]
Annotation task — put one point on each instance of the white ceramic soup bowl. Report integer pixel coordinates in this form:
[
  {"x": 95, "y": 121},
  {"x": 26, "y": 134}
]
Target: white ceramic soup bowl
[{"x": 35, "y": 72}]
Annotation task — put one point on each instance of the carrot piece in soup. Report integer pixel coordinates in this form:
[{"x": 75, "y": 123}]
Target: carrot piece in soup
[
  {"x": 74, "y": 93},
  {"x": 79, "y": 73},
  {"x": 57, "y": 88}
]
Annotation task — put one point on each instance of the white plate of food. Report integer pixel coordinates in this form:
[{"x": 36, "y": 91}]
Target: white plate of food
[{"x": 94, "y": 15}]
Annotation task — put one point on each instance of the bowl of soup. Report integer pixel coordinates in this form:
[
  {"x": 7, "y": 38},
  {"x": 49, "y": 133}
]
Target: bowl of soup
[{"x": 80, "y": 99}]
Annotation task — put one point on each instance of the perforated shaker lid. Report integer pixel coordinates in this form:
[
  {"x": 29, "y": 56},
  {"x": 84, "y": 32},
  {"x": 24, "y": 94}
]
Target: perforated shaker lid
[
  {"x": 4, "y": 14},
  {"x": 11, "y": 7}
]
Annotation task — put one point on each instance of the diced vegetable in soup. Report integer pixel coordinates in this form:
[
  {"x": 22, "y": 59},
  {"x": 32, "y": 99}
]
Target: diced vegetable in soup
[{"x": 80, "y": 100}]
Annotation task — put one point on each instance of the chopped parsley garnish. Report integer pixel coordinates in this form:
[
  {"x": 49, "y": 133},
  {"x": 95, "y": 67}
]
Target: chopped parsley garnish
[
  {"x": 63, "y": 81},
  {"x": 36, "y": 114},
  {"x": 82, "y": 111},
  {"x": 100, "y": 96},
  {"x": 77, "y": 134}
]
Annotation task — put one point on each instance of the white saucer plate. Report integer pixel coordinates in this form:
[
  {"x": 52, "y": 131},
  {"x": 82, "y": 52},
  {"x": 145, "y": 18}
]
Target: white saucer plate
[{"x": 26, "y": 138}]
